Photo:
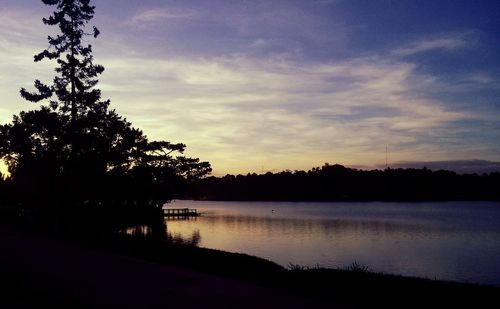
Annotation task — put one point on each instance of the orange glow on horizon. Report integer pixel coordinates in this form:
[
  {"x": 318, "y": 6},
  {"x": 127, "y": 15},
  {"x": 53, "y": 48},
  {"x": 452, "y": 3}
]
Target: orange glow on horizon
[{"x": 3, "y": 169}]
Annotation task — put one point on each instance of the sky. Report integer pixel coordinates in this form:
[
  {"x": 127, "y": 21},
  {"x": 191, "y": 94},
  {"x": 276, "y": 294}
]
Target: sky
[{"x": 257, "y": 86}]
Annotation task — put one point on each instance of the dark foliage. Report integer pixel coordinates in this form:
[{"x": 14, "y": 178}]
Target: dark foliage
[
  {"x": 364, "y": 289},
  {"x": 336, "y": 182},
  {"x": 3, "y": 186},
  {"x": 77, "y": 153},
  {"x": 76, "y": 75}
]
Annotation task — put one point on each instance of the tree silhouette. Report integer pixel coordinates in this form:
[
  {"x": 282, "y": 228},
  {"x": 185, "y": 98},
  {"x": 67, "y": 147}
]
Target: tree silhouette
[
  {"x": 336, "y": 182},
  {"x": 76, "y": 151},
  {"x": 76, "y": 78},
  {"x": 76, "y": 75}
]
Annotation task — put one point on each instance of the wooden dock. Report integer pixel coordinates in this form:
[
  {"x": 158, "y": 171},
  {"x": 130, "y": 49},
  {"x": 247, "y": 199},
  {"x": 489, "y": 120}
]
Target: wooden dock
[{"x": 180, "y": 212}]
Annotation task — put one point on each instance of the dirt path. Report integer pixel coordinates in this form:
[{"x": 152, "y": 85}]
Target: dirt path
[{"x": 39, "y": 272}]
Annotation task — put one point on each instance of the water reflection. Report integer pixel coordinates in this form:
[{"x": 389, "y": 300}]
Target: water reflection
[
  {"x": 193, "y": 240},
  {"x": 315, "y": 226},
  {"x": 140, "y": 230},
  {"x": 453, "y": 241},
  {"x": 162, "y": 232}
]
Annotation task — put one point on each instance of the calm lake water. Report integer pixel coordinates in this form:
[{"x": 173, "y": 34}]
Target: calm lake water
[{"x": 457, "y": 241}]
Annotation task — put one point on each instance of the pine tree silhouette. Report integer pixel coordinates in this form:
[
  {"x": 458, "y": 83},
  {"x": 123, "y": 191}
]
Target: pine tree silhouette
[{"x": 77, "y": 151}]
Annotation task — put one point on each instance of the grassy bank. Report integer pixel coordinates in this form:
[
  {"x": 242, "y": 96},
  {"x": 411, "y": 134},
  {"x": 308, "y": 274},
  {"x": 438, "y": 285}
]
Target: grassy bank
[{"x": 354, "y": 286}]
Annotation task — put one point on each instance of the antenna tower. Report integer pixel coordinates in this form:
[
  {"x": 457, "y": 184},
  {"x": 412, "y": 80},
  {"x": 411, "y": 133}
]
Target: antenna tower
[{"x": 386, "y": 160}]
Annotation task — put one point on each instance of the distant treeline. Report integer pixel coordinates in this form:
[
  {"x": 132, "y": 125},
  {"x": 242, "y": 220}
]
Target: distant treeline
[{"x": 336, "y": 182}]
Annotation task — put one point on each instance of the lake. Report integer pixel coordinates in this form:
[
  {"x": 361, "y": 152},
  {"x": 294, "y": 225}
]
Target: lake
[{"x": 457, "y": 241}]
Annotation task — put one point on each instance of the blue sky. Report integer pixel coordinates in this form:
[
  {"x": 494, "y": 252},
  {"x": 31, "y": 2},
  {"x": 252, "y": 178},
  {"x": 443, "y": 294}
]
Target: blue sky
[{"x": 274, "y": 85}]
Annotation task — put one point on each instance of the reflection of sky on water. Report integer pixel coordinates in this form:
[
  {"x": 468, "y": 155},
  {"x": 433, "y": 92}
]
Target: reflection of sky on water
[{"x": 453, "y": 240}]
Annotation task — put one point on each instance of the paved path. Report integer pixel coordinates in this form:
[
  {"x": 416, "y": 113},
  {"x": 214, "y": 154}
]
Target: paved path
[{"x": 36, "y": 271}]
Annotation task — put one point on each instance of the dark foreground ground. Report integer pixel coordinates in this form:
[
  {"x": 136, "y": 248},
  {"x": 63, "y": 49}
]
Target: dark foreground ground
[{"x": 39, "y": 272}]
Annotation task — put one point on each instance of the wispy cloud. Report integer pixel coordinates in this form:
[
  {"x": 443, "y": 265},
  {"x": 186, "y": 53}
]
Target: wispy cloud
[
  {"x": 443, "y": 43},
  {"x": 19, "y": 41},
  {"x": 161, "y": 14},
  {"x": 327, "y": 2},
  {"x": 241, "y": 111},
  {"x": 246, "y": 93}
]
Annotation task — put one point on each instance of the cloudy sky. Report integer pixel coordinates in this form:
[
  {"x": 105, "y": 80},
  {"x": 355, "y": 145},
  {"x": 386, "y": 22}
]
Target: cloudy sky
[{"x": 274, "y": 85}]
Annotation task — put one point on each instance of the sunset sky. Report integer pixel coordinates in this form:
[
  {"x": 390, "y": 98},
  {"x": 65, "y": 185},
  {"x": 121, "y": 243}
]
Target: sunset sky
[{"x": 274, "y": 85}]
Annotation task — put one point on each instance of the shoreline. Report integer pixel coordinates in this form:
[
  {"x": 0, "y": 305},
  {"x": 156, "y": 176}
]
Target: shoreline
[
  {"x": 343, "y": 200},
  {"x": 40, "y": 271},
  {"x": 295, "y": 288}
]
